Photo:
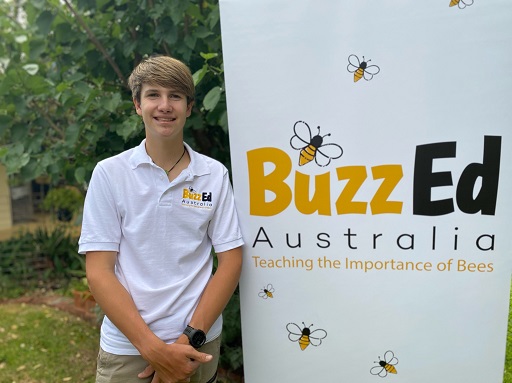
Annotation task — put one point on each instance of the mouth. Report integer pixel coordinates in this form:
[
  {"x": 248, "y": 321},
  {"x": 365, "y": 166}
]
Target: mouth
[{"x": 164, "y": 119}]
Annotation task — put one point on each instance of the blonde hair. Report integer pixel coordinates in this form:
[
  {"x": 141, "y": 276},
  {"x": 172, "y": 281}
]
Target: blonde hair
[{"x": 163, "y": 71}]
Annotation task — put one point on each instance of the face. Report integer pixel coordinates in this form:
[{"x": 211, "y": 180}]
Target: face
[{"x": 163, "y": 110}]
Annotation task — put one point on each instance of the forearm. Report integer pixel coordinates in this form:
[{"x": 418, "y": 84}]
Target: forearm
[
  {"x": 119, "y": 306},
  {"x": 219, "y": 290}
]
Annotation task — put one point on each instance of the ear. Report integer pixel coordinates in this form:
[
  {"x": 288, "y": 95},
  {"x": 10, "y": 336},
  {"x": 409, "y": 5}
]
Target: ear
[
  {"x": 189, "y": 108},
  {"x": 137, "y": 107}
]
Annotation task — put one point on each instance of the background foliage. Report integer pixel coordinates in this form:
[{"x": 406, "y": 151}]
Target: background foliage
[{"x": 64, "y": 101}]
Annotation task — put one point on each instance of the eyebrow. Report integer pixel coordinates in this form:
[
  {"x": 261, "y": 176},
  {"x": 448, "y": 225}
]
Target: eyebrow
[
  {"x": 154, "y": 90},
  {"x": 151, "y": 90}
]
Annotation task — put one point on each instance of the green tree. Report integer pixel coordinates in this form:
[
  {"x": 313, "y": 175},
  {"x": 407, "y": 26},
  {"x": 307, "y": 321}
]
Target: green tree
[{"x": 64, "y": 101}]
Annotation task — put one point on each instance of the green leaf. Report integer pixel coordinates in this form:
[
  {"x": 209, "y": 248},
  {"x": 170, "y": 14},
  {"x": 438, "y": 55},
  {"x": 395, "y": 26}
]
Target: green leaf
[
  {"x": 5, "y": 123},
  {"x": 44, "y": 22},
  {"x": 190, "y": 41},
  {"x": 212, "y": 98},
  {"x": 208, "y": 56},
  {"x": 36, "y": 49},
  {"x": 83, "y": 89},
  {"x": 223, "y": 121},
  {"x": 72, "y": 133},
  {"x": 214, "y": 17},
  {"x": 80, "y": 175},
  {"x": 77, "y": 76},
  {"x": 19, "y": 132},
  {"x": 202, "y": 32},
  {"x": 129, "y": 127},
  {"x": 198, "y": 76},
  {"x": 112, "y": 102},
  {"x": 37, "y": 84}
]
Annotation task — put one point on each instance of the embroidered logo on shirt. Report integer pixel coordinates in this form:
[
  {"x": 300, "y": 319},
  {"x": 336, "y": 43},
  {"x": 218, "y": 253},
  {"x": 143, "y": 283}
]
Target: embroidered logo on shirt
[{"x": 194, "y": 198}]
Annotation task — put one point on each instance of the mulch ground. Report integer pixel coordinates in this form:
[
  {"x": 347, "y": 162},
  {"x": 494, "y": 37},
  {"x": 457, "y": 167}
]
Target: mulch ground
[{"x": 56, "y": 301}]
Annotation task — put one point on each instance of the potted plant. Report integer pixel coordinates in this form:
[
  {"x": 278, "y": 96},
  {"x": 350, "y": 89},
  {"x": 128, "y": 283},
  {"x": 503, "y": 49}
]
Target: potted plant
[
  {"x": 82, "y": 296},
  {"x": 64, "y": 201}
]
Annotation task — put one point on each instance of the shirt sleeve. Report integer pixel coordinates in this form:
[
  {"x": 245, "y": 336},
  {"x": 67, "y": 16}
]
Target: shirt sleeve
[
  {"x": 101, "y": 225},
  {"x": 224, "y": 229}
]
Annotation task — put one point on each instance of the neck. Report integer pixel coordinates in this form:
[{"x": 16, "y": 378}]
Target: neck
[{"x": 166, "y": 154}]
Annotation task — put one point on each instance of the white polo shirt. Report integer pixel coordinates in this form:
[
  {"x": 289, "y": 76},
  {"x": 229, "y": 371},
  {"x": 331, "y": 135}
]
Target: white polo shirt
[{"x": 163, "y": 232}]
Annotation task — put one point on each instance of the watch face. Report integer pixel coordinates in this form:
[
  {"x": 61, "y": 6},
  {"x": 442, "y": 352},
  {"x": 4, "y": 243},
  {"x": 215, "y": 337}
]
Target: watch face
[{"x": 198, "y": 339}]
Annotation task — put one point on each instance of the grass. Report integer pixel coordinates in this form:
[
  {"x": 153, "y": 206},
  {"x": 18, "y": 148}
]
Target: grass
[
  {"x": 41, "y": 344},
  {"x": 507, "y": 375}
]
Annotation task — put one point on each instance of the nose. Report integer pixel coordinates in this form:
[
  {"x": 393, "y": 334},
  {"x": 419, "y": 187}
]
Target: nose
[{"x": 165, "y": 105}]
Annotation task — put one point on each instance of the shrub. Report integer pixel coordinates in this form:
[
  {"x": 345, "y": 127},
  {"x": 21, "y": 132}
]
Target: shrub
[{"x": 42, "y": 254}]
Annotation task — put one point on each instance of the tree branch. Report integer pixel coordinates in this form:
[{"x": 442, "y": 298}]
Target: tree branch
[{"x": 97, "y": 43}]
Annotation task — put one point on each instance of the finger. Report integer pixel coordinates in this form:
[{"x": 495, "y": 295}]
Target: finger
[
  {"x": 155, "y": 379},
  {"x": 200, "y": 357},
  {"x": 148, "y": 371}
]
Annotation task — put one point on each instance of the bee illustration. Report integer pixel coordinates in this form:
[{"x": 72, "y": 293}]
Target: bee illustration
[
  {"x": 361, "y": 68},
  {"x": 266, "y": 292},
  {"x": 305, "y": 336},
  {"x": 191, "y": 189},
  {"x": 461, "y": 3},
  {"x": 385, "y": 366},
  {"x": 313, "y": 147}
]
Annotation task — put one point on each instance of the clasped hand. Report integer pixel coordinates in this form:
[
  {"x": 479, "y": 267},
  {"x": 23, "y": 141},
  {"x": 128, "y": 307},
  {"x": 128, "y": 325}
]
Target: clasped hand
[{"x": 174, "y": 363}]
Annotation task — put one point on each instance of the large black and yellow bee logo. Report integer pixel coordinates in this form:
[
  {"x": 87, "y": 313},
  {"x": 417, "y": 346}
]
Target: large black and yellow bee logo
[
  {"x": 461, "y": 3},
  {"x": 304, "y": 335},
  {"x": 313, "y": 147},
  {"x": 267, "y": 292},
  {"x": 361, "y": 69},
  {"x": 385, "y": 366}
]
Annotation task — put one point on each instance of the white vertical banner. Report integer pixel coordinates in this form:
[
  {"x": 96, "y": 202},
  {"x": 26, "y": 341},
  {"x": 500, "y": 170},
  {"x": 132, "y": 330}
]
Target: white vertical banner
[{"x": 371, "y": 151}]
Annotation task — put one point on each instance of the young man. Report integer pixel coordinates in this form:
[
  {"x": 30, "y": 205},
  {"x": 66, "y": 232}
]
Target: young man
[{"x": 151, "y": 217}]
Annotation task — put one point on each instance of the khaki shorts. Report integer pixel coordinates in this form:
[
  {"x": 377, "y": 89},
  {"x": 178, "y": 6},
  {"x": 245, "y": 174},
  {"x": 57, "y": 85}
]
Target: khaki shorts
[{"x": 125, "y": 368}]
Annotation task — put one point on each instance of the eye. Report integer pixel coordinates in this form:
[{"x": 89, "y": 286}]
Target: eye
[
  {"x": 152, "y": 95},
  {"x": 175, "y": 96}
]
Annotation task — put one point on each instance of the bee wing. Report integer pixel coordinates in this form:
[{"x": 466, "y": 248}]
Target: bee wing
[
  {"x": 263, "y": 295},
  {"x": 302, "y": 135},
  {"x": 326, "y": 153},
  {"x": 378, "y": 370},
  {"x": 270, "y": 288},
  {"x": 353, "y": 63},
  {"x": 294, "y": 332},
  {"x": 465, "y": 3},
  {"x": 315, "y": 338},
  {"x": 390, "y": 358},
  {"x": 370, "y": 71},
  {"x": 332, "y": 151}
]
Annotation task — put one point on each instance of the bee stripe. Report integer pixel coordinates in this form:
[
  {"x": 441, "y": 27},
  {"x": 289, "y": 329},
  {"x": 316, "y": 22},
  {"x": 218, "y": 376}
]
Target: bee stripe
[
  {"x": 304, "y": 342},
  {"x": 454, "y": 3},
  {"x": 307, "y": 154},
  {"x": 390, "y": 368},
  {"x": 358, "y": 74}
]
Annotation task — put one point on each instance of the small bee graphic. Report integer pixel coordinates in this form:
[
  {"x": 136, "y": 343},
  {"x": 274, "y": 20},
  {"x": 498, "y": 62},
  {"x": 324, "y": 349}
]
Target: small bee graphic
[
  {"x": 305, "y": 336},
  {"x": 385, "y": 366},
  {"x": 461, "y": 3},
  {"x": 266, "y": 292},
  {"x": 191, "y": 189},
  {"x": 361, "y": 68},
  {"x": 313, "y": 147}
]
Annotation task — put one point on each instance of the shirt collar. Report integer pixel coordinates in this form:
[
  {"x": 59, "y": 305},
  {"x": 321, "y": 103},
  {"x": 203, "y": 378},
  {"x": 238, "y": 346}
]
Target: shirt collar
[{"x": 197, "y": 167}]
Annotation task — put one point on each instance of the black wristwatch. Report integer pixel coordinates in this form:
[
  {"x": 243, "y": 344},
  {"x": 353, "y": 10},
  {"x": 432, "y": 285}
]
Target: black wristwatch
[{"x": 196, "y": 337}]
